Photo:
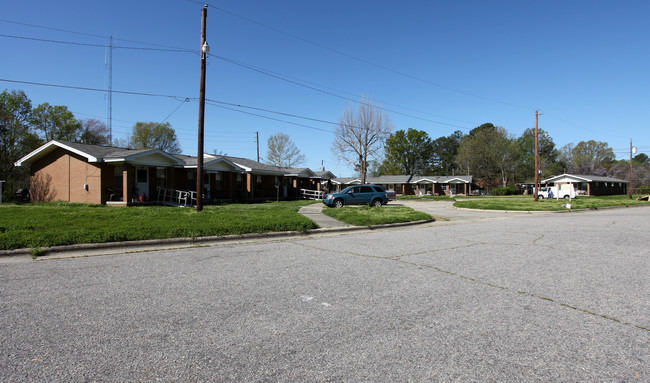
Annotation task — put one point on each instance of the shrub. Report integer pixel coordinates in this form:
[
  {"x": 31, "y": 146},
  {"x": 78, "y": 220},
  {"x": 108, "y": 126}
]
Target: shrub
[
  {"x": 502, "y": 191},
  {"x": 643, "y": 189}
]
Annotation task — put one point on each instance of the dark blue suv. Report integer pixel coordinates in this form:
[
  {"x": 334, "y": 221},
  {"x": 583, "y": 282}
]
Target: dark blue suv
[{"x": 373, "y": 195}]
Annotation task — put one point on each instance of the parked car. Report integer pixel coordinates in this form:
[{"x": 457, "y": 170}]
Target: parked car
[{"x": 373, "y": 195}]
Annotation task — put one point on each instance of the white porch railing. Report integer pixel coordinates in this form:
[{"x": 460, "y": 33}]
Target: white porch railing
[
  {"x": 176, "y": 197},
  {"x": 311, "y": 194}
]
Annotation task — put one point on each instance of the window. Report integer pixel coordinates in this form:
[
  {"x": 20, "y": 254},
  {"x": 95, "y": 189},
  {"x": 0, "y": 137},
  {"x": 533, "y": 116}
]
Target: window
[{"x": 365, "y": 189}]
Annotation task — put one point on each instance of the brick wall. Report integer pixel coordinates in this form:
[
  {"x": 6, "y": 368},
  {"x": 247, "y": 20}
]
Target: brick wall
[{"x": 61, "y": 176}]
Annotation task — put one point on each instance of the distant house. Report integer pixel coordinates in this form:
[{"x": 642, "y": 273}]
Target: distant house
[
  {"x": 415, "y": 185},
  {"x": 325, "y": 177},
  {"x": 73, "y": 172},
  {"x": 590, "y": 185}
]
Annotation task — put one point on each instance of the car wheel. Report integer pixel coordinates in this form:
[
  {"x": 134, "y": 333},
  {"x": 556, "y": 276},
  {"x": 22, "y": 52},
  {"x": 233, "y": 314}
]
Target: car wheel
[
  {"x": 540, "y": 197},
  {"x": 566, "y": 196},
  {"x": 338, "y": 203},
  {"x": 376, "y": 203}
]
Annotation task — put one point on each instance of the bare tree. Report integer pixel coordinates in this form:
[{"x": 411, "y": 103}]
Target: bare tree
[
  {"x": 361, "y": 135},
  {"x": 94, "y": 132},
  {"x": 283, "y": 152}
]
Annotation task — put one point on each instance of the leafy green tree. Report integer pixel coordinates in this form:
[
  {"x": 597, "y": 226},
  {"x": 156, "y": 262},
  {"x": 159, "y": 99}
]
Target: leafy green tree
[
  {"x": 94, "y": 132},
  {"x": 154, "y": 135},
  {"x": 482, "y": 127},
  {"x": 283, "y": 152},
  {"x": 548, "y": 155},
  {"x": 410, "y": 151},
  {"x": 56, "y": 122},
  {"x": 641, "y": 159},
  {"x": 16, "y": 137},
  {"x": 588, "y": 157},
  {"x": 444, "y": 153},
  {"x": 490, "y": 155}
]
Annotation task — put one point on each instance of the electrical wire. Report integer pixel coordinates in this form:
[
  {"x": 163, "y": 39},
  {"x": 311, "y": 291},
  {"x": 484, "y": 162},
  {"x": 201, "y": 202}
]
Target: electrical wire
[
  {"x": 173, "y": 111},
  {"x": 96, "y": 89},
  {"x": 334, "y": 94},
  {"x": 268, "y": 118},
  {"x": 99, "y": 45},
  {"x": 88, "y": 34},
  {"x": 362, "y": 60}
]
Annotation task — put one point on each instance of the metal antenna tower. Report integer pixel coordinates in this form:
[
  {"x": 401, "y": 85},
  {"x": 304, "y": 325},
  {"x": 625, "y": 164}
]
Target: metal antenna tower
[{"x": 109, "y": 65}]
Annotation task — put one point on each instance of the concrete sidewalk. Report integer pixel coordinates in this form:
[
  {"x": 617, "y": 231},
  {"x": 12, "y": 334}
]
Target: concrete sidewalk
[{"x": 315, "y": 213}]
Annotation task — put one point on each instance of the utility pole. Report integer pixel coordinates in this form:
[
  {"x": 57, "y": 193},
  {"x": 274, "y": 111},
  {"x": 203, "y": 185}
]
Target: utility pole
[
  {"x": 205, "y": 48},
  {"x": 632, "y": 151},
  {"x": 257, "y": 135},
  {"x": 536, "y": 158}
]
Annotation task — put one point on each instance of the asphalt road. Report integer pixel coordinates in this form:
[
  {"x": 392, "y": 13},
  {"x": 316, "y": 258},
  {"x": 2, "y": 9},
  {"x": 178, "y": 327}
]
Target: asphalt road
[{"x": 506, "y": 298}]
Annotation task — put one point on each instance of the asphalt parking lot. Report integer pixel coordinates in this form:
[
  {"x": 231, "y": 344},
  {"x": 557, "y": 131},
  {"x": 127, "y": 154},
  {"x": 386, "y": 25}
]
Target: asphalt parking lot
[{"x": 508, "y": 297}]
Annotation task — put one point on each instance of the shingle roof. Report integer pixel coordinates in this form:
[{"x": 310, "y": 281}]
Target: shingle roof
[
  {"x": 105, "y": 152},
  {"x": 586, "y": 177},
  {"x": 254, "y": 165},
  {"x": 406, "y": 179}
]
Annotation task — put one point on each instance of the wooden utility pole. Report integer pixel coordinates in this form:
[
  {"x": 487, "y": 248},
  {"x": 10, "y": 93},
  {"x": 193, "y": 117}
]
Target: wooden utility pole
[
  {"x": 257, "y": 135},
  {"x": 536, "y": 158},
  {"x": 632, "y": 149},
  {"x": 199, "y": 155}
]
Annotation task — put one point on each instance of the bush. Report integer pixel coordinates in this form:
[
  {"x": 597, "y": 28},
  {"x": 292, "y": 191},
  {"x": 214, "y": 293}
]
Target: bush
[
  {"x": 643, "y": 189},
  {"x": 502, "y": 191}
]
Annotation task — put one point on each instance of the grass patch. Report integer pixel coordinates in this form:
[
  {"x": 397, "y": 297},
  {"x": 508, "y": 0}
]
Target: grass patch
[
  {"x": 529, "y": 204},
  {"x": 367, "y": 216},
  {"x": 51, "y": 224}
]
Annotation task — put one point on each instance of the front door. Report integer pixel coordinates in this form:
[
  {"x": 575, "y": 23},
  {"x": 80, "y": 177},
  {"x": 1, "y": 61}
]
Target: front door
[{"x": 142, "y": 181}]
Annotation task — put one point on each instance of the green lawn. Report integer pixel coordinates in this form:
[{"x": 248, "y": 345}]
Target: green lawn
[
  {"x": 51, "y": 224},
  {"x": 367, "y": 216},
  {"x": 529, "y": 204}
]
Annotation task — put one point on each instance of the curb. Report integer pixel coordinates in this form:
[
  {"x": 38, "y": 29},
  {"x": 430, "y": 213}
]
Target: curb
[{"x": 185, "y": 242}]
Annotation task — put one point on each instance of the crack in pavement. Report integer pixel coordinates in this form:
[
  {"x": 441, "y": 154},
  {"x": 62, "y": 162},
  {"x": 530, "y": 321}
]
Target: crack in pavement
[{"x": 475, "y": 280}]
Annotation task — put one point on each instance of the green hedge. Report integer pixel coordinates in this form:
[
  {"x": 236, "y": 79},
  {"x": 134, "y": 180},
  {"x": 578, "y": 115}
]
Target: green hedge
[{"x": 502, "y": 191}]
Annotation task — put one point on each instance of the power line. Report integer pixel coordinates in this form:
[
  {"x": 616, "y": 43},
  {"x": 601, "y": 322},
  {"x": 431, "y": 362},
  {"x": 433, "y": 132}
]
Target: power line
[
  {"x": 173, "y": 111},
  {"x": 89, "y": 34},
  {"x": 96, "y": 89},
  {"x": 280, "y": 77},
  {"x": 362, "y": 60},
  {"x": 284, "y": 77},
  {"x": 99, "y": 45},
  {"x": 52, "y": 29},
  {"x": 269, "y": 118}
]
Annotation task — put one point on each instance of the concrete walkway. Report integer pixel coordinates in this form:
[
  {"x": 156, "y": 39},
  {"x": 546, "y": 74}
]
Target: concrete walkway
[
  {"x": 437, "y": 209},
  {"x": 314, "y": 212}
]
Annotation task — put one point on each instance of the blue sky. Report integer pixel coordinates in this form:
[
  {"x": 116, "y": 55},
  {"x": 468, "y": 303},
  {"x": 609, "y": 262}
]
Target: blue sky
[{"x": 436, "y": 66}]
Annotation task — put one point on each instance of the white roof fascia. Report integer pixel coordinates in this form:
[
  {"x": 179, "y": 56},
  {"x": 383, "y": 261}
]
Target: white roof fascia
[
  {"x": 457, "y": 179},
  {"x": 48, "y": 145},
  {"x": 567, "y": 177}
]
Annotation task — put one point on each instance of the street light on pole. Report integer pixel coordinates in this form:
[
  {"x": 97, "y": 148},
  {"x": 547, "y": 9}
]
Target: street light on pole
[
  {"x": 632, "y": 151},
  {"x": 205, "y": 48}
]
